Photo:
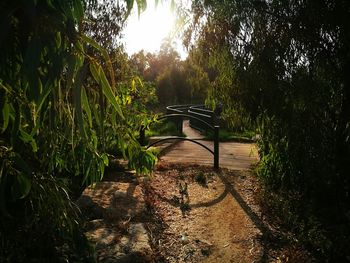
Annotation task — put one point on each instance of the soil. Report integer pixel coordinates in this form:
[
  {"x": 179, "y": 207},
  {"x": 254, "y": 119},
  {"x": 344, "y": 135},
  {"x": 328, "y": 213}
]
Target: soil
[
  {"x": 183, "y": 213},
  {"x": 208, "y": 226},
  {"x": 219, "y": 221}
]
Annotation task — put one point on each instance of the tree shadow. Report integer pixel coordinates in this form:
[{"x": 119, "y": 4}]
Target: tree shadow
[{"x": 266, "y": 235}]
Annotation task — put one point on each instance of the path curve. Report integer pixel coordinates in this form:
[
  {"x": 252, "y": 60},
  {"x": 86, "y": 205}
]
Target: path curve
[{"x": 233, "y": 155}]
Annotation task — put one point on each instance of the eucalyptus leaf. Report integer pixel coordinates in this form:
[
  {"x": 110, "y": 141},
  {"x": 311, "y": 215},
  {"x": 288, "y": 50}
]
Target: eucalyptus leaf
[
  {"x": 86, "y": 107},
  {"x": 5, "y": 115},
  {"x": 77, "y": 99},
  {"x": 107, "y": 91},
  {"x": 21, "y": 187}
]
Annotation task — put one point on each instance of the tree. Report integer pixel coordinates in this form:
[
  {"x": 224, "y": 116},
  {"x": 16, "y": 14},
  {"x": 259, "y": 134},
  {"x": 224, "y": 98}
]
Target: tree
[
  {"x": 288, "y": 71},
  {"x": 54, "y": 127},
  {"x": 105, "y": 21},
  {"x": 167, "y": 73}
]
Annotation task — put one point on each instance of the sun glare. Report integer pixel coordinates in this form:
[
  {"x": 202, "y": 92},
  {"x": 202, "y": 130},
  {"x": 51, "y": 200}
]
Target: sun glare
[{"x": 147, "y": 31}]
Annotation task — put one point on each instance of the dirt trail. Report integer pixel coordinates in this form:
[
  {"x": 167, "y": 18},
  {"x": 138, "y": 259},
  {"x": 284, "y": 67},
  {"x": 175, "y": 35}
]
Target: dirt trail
[{"x": 213, "y": 226}]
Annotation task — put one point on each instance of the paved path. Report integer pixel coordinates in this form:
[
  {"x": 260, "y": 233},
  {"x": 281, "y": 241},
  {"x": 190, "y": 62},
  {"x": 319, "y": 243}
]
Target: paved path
[{"x": 233, "y": 155}]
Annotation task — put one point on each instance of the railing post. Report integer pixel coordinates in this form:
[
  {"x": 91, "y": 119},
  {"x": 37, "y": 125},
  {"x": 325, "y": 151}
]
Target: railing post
[
  {"x": 180, "y": 125},
  {"x": 216, "y": 146}
]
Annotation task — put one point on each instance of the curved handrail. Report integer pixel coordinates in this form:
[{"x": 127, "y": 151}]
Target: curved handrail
[
  {"x": 200, "y": 114},
  {"x": 198, "y": 108}
]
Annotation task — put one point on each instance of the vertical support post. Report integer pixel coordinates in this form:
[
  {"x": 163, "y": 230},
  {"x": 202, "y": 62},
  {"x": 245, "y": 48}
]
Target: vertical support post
[
  {"x": 216, "y": 147},
  {"x": 180, "y": 125},
  {"x": 142, "y": 138}
]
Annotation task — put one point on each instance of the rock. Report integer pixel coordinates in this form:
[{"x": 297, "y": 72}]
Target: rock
[
  {"x": 137, "y": 242},
  {"x": 112, "y": 247},
  {"x": 114, "y": 208}
]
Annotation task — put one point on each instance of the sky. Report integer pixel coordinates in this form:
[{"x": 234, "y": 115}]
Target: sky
[{"x": 147, "y": 31}]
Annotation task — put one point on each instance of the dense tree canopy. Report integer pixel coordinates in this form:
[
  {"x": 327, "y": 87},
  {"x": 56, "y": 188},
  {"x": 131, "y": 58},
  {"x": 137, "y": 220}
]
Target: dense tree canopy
[
  {"x": 176, "y": 81},
  {"x": 65, "y": 103},
  {"x": 284, "y": 65}
]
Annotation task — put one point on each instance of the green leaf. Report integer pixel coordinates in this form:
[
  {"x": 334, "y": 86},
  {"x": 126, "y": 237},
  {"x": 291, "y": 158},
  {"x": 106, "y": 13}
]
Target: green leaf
[
  {"x": 129, "y": 6},
  {"x": 94, "y": 139},
  {"x": 94, "y": 71},
  {"x": 141, "y": 6},
  {"x": 27, "y": 138},
  {"x": 91, "y": 42},
  {"x": 43, "y": 97},
  {"x": 77, "y": 98},
  {"x": 78, "y": 10},
  {"x": 107, "y": 91},
  {"x": 101, "y": 78},
  {"x": 21, "y": 187},
  {"x": 5, "y": 115},
  {"x": 104, "y": 54},
  {"x": 86, "y": 106},
  {"x": 105, "y": 159},
  {"x": 58, "y": 39},
  {"x": 96, "y": 115},
  {"x": 133, "y": 86}
]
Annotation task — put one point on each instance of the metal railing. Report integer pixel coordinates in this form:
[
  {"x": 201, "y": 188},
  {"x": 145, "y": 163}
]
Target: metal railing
[{"x": 199, "y": 117}]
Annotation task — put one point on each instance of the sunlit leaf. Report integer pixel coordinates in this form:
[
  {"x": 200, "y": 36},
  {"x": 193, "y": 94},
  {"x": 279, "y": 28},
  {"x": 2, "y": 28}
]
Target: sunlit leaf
[
  {"x": 172, "y": 5},
  {"x": 129, "y": 6},
  {"x": 107, "y": 90},
  {"x": 104, "y": 54},
  {"x": 141, "y": 6},
  {"x": 105, "y": 159}
]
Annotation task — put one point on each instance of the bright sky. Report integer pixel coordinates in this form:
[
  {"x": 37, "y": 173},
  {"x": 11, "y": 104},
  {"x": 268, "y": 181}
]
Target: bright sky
[{"x": 147, "y": 31}]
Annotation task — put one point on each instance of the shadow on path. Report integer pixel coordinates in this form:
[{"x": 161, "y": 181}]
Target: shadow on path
[{"x": 266, "y": 237}]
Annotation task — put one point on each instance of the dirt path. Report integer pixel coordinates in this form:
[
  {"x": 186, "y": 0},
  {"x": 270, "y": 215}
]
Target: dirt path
[
  {"x": 233, "y": 155},
  {"x": 220, "y": 223}
]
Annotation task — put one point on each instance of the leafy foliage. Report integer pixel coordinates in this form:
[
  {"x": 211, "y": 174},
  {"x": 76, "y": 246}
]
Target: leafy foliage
[
  {"x": 283, "y": 65},
  {"x": 176, "y": 81},
  {"x": 62, "y": 107},
  {"x": 104, "y": 22}
]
